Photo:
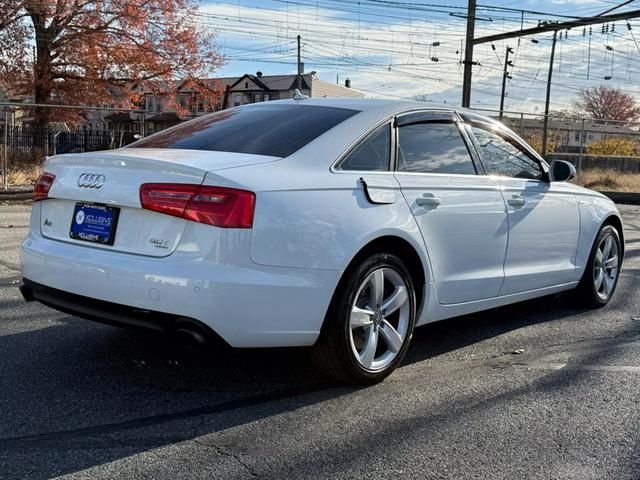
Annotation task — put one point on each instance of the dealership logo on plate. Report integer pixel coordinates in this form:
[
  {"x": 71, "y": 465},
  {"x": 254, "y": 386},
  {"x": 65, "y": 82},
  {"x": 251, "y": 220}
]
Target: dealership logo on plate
[{"x": 80, "y": 217}]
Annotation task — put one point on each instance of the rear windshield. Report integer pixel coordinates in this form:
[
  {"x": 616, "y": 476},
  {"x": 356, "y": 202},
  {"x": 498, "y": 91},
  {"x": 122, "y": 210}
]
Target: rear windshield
[{"x": 274, "y": 130}]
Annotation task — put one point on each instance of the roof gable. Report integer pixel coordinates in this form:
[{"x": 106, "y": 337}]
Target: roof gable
[{"x": 253, "y": 83}]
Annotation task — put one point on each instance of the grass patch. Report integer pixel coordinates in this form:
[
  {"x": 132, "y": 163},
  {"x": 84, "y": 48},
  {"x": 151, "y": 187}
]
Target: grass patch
[
  {"x": 24, "y": 175},
  {"x": 610, "y": 180}
]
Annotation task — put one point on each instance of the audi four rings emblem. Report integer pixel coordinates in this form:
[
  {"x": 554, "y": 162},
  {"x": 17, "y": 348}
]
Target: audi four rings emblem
[{"x": 91, "y": 180}]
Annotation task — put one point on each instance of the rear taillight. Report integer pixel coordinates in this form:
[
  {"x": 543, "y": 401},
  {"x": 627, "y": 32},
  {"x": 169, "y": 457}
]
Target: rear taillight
[
  {"x": 43, "y": 185},
  {"x": 219, "y": 206}
]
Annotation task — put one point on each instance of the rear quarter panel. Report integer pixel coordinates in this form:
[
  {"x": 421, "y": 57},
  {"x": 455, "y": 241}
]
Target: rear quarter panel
[{"x": 325, "y": 227}]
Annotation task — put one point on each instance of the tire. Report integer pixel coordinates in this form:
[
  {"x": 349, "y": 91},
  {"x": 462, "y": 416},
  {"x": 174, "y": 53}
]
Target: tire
[
  {"x": 602, "y": 270},
  {"x": 346, "y": 350}
]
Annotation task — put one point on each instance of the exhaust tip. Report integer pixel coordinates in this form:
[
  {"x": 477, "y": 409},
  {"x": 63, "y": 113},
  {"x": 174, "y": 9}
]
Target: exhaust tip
[{"x": 189, "y": 337}]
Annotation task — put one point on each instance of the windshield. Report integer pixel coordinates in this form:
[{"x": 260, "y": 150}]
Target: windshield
[{"x": 274, "y": 130}]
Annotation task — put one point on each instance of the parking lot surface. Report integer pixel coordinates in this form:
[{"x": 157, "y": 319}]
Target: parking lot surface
[{"x": 540, "y": 390}]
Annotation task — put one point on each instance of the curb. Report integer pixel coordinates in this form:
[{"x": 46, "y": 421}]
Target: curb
[
  {"x": 15, "y": 197},
  {"x": 628, "y": 198}
]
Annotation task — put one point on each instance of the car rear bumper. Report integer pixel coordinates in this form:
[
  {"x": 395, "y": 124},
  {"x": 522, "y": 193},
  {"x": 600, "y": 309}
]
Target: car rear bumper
[
  {"x": 98, "y": 310},
  {"x": 248, "y": 305}
]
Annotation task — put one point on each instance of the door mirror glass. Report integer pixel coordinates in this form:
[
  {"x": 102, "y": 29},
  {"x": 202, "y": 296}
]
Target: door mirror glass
[{"x": 562, "y": 171}]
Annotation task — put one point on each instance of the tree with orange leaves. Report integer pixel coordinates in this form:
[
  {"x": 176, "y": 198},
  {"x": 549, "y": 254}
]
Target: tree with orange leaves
[{"x": 91, "y": 52}]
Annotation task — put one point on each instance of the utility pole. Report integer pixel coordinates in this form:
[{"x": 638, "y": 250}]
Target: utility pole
[
  {"x": 299, "y": 67},
  {"x": 505, "y": 75},
  {"x": 468, "y": 54},
  {"x": 545, "y": 127}
]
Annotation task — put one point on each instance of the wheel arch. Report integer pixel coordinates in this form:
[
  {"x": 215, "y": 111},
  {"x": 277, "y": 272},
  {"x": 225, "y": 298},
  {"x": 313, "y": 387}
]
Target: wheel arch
[
  {"x": 616, "y": 222},
  {"x": 398, "y": 246}
]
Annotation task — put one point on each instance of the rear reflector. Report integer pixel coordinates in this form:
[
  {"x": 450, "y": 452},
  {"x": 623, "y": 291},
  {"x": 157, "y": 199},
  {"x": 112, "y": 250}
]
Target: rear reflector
[
  {"x": 43, "y": 185},
  {"x": 219, "y": 206}
]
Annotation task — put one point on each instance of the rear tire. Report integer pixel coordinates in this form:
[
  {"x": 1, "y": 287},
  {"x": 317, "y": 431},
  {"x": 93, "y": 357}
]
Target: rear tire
[
  {"x": 602, "y": 271},
  {"x": 370, "y": 322}
]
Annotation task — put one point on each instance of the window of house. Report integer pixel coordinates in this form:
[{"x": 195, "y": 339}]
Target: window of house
[
  {"x": 505, "y": 158},
  {"x": 237, "y": 100},
  {"x": 267, "y": 97},
  {"x": 577, "y": 136},
  {"x": 433, "y": 148},
  {"x": 372, "y": 154}
]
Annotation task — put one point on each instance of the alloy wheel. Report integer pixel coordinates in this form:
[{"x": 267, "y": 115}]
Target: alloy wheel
[
  {"x": 605, "y": 267},
  {"x": 379, "y": 319}
]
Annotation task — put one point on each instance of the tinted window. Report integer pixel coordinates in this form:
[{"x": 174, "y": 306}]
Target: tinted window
[
  {"x": 502, "y": 157},
  {"x": 433, "y": 148},
  {"x": 372, "y": 153},
  {"x": 275, "y": 130}
]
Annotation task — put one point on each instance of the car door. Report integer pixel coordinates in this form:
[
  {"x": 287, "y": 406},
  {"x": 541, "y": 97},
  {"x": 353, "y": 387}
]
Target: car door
[
  {"x": 461, "y": 214},
  {"x": 544, "y": 221}
]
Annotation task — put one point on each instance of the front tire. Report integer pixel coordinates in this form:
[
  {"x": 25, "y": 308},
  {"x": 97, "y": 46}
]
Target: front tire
[
  {"x": 370, "y": 322},
  {"x": 602, "y": 271}
]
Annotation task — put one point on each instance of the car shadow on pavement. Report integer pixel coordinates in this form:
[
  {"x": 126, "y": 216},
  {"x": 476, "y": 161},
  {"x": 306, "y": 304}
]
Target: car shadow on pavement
[{"x": 81, "y": 394}]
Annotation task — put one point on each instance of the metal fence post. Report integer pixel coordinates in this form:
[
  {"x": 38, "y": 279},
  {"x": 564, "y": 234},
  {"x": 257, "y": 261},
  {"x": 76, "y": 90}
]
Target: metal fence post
[
  {"x": 5, "y": 157},
  {"x": 522, "y": 124},
  {"x": 580, "y": 154}
]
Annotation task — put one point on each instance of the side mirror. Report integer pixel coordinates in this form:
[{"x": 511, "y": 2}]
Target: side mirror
[{"x": 562, "y": 171}]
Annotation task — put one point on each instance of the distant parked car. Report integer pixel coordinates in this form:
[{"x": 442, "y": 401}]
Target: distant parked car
[{"x": 335, "y": 224}]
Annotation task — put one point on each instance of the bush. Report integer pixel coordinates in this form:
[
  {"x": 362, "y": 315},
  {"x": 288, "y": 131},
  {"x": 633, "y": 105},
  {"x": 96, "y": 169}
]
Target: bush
[
  {"x": 610, "y": 180},
  {"x": 535, "y": 140},
  {"x": 615, "y": 147}
]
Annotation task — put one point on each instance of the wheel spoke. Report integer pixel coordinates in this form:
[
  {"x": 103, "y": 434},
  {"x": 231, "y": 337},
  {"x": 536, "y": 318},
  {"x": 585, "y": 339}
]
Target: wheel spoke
[
  {"x": 377, "y": 288},
  {"x": 611, "y": 262},
  {"x": 391, "y": 337},
  {"x": 599, "y": 257},
  {"x": 368, "y": 353},
  {"x": 608, "y": 283},
  {"x": 599, "y": 278},
  {"x": 360, "y": 317},
  {"x": 608, "y": 242},
  {"x": 395, "y": 301}
]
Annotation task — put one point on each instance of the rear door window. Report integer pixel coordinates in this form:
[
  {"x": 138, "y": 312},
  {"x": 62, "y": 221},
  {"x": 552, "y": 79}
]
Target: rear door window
[
  {"x": 273, "y": 130},
  {"x": 372, "y": 154},
  {"x": 433, "y": 147}
]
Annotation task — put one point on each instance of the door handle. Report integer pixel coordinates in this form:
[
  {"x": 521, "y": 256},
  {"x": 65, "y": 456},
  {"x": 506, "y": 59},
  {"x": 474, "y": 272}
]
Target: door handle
[
  {"x": 516, "y": 201},
  {"x": 428, "y": 200}
]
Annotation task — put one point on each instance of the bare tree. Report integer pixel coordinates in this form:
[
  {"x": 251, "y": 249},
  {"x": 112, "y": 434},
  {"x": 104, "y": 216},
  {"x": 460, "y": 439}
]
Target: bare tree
[{"x": 607, "y": 103}]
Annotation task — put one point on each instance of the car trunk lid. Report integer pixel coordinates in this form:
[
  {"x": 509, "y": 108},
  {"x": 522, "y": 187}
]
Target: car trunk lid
[{"x": 113, "y": 179}]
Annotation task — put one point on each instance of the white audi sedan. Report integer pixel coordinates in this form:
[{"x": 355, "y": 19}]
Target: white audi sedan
[{"x": 337, "y": 224}]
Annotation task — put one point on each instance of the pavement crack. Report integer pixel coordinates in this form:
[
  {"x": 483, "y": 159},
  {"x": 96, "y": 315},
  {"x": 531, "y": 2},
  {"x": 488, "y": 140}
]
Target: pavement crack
[{"x": 220, "y": 450}]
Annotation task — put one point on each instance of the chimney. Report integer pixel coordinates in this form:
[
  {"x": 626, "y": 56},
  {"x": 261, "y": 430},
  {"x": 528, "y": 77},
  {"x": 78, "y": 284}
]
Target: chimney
[
  {"x": 258, "y": 74},
  {"x": 347, "y": 83}
]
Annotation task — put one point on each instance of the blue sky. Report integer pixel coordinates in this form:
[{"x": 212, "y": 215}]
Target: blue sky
[{"x": 404, "y": 48}]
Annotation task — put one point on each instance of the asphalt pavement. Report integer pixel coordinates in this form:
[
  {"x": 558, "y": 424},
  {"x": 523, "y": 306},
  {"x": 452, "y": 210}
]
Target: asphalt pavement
[{"x": 542, "y": 389}]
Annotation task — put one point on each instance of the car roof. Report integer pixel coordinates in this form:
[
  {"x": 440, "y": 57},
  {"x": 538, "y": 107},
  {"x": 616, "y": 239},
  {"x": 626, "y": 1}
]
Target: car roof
[
  {"x": 376, "y": 106},
  {"x": 361, "y": 104}
]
